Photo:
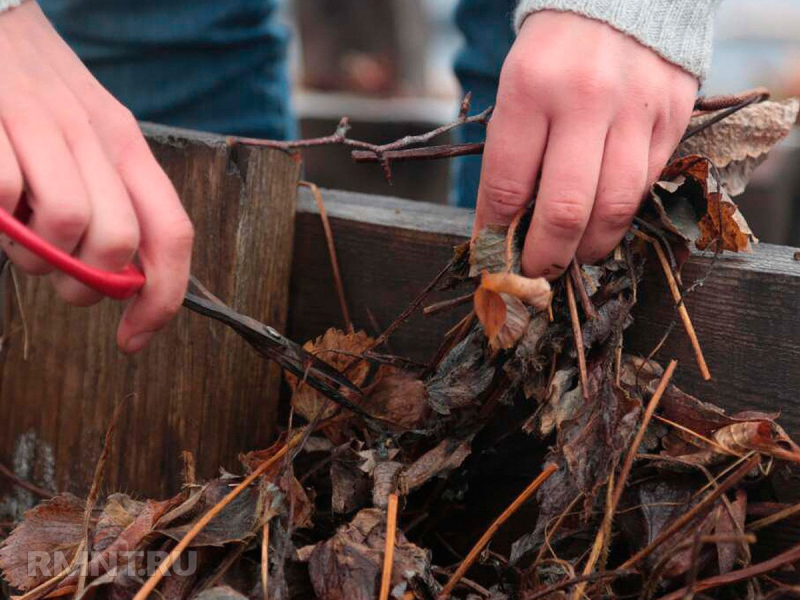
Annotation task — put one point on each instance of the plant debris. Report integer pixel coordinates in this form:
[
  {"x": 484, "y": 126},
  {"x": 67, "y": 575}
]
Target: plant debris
[{"x": 423, "y": 486}]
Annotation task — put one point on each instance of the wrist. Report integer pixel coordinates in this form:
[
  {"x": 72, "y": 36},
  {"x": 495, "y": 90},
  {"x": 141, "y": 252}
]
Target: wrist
[{"x": 680, "y": 31}]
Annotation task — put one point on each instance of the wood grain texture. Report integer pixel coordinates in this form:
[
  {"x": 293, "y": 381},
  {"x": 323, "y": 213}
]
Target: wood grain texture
[
  {"x": 198, "y": 387},
  {"x": 389, "y": 249},
  {"x": 747, "y": 314}
]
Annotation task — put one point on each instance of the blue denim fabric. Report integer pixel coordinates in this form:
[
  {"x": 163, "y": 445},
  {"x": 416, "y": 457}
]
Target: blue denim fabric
[
  {"x": 215, "y": 65},
  {"x": 488, "y": 35}
]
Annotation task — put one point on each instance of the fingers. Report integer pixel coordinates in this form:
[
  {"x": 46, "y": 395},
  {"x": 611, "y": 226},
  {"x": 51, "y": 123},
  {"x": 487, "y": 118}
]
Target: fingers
[
  {"x": 11, "y": 182},
  {"x": 623, "y": 182},
  {"x": 570, "y": 174},
  {"x": 512, "y": 156},
  {"x": 56, "y": 194},
  {"x": 112, "y": 236},
  {"x": 165, "y": 250}
]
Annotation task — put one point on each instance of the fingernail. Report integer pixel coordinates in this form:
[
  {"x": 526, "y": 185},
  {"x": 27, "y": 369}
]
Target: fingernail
[{"x": 138, "y": 341}]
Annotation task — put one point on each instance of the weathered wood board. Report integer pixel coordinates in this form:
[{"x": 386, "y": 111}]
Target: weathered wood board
[
  {"x": 198, "y": 387},
  {"x": 747, "y": 314}
]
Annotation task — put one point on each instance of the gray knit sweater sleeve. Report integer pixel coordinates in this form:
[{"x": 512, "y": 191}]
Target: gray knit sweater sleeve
[
  {"x": 6, "y": 4},
  {"x": 679, "y": 30}
]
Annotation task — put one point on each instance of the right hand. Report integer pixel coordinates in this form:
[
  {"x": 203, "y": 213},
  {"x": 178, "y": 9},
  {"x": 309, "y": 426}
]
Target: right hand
[{"x": 78, "y": 158}]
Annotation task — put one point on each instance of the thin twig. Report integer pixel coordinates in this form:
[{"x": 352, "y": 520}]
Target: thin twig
[
  {"x": 745, "y": 100},
  {"x": 337, "y": 276},
  {"x": 412, "y": 307},
  {"x": 637, "y": 441},
  {"x": 716, "y": 445},
  {"x": 388, "y": 553},
  {"x": 676, "y": 296},
  {"x": 381, "y": 153},
  {"x": 265, "y": 560},
  {"x": 774, "y": 518},
  {"x": 201, "y": 524},
  {"x": 21, "y": 310},
  {"x": 576, "y": 333},
  {"x": 426, "y": 153},
  {"x": 600, "y": 541},
  {"x": 433, "y": 309},
  {"x": 577, "y": 279},
  {"x": 654, "y": 576},
  {"x": 94, "y": 493},
  {"x": 489, "y": 533},
  {"x": 567, "y": 583},
  {"x": 785, "y": 558},
  {"x": 549, "y": 533},
  {"x": 27, "y": 485}
]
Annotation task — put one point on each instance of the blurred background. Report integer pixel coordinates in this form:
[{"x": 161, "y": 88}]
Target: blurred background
[{"x": 387, "y": 64}]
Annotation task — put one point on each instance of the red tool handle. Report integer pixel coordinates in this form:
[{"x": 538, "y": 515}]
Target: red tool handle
[{"x": 118, "y": 286}]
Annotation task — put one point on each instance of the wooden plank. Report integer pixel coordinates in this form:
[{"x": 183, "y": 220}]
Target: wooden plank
[
  {"x": 198, "y": 387},
  {"x": 747, "y": 313},
  {"x": 388, "y": 250}
]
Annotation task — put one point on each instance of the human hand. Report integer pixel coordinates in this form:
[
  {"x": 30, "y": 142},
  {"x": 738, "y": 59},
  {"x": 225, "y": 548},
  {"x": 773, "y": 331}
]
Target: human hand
[
  {"x": 597, "y": 115},
  {"x": 79, "y": 160}
]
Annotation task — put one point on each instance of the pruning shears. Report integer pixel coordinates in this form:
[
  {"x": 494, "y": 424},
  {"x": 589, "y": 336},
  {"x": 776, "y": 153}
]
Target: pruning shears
[{"x": 124, "y": 284}]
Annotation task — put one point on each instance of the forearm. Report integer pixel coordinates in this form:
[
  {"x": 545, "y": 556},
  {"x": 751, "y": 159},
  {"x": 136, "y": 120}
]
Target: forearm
[{"x": 678, "y": 30}]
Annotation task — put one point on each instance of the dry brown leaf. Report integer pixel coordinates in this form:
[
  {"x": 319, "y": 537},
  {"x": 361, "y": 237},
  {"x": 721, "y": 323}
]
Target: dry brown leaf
[
  {"x": 504, "y": 317},
  {"x": 462, "y": 377},
  {"x": 724, "y": 221},
  {"x": 691, "y": 204},
  {"x": 401, "y": 399},
  {"x": 55, "y": 526},
  {"x": 533, "y": 292},
  {"x": 490, "y": 310},
  {"x": 338, "y": 349},
  {"x": 349, "y": 483},
  {"x": 738, "y": 144},
  {"x": 446, "y": 456},
  {"x": 348, "y": 566},
  {"x": 730, "y": 522},
  {"x": 488, "y": 251}
]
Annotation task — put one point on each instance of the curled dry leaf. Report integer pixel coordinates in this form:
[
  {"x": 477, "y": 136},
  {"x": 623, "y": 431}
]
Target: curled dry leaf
[
  {"x": 401, "y": 399},
  {"x": 348, "y": 566},
  {"x": 500, "y": 304},
  {"x": 533, "y": 292},
  {"x": 738, "y": 144},
  {"x": 338, "y": 349},
  {"x": 691, "y": 204}
]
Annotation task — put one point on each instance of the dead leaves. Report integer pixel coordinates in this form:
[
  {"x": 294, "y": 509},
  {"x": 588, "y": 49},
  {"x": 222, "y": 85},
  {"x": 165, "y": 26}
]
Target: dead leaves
[
  {"x": 52, "y": 531},
  {"x": 692, "y": 206},
  {"x": 348, "y": 566},
  {"x": 401, "y": 399},
  {"x": 459, "y": 418},
  {"x": 338, "y": 349},
  {"x": 741, "y": 142},
  {"x": 503, "y": 297}
]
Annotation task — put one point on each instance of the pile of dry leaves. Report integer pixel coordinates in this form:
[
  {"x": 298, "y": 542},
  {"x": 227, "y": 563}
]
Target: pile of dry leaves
[{"x": 636, "y": 488}]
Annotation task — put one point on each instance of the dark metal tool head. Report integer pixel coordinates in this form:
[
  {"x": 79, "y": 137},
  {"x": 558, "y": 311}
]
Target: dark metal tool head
[{"x": 274, "y": 346}]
